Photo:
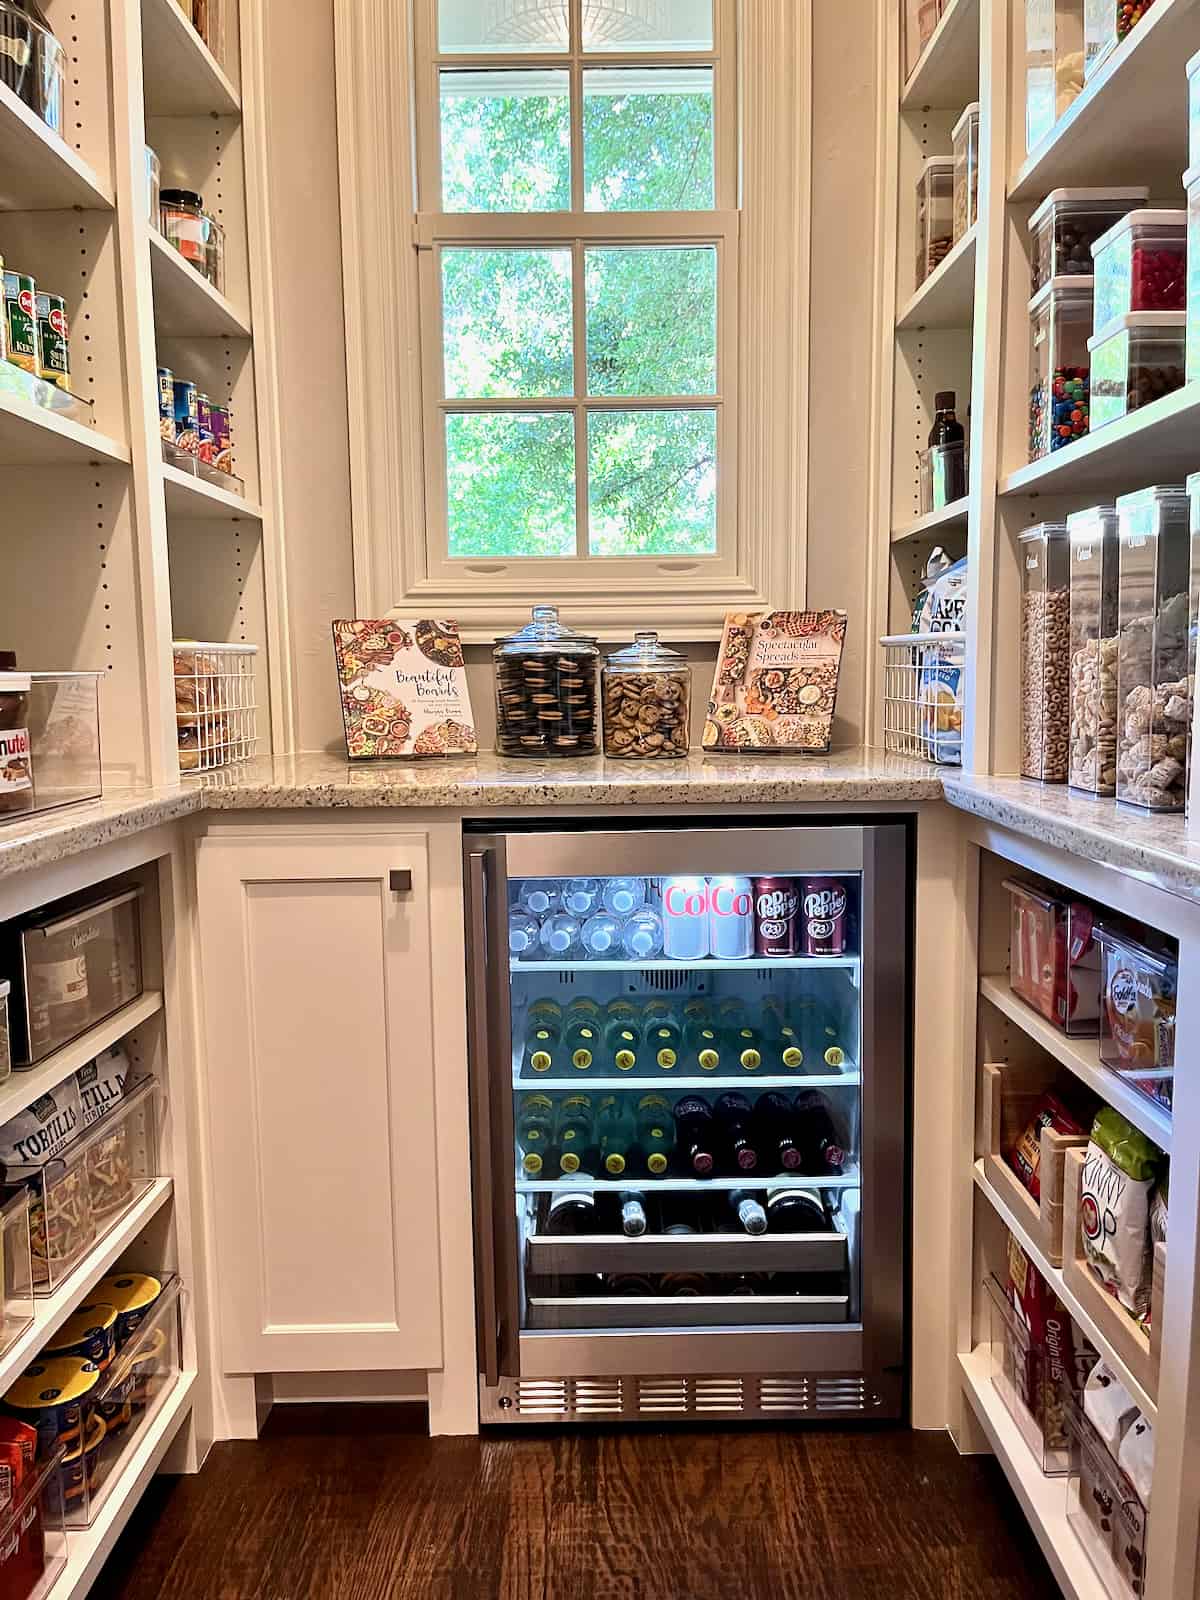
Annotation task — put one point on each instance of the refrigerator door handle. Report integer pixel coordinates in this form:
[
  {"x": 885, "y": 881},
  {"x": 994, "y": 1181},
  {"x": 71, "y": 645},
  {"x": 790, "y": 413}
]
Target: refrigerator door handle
[{"x": 481, "y": 1110}]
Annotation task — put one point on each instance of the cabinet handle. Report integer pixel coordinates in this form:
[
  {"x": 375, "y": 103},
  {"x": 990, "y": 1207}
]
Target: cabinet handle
[{"x": 400, "y": 880}]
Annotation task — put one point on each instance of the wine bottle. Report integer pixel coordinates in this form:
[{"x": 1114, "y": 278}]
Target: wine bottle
[
  {"x": 573, "y": 1211},
  {"x": 776, "y": 1133},
  {"x": 663, "y": 1035},
  {"x": 694, "y": 1134},
  {"x": 684, "y": 1285},
  {"x": 633, "y": 1212},
  {"x": 821, "y": 1149},
  {"x": 748, "y": 1210},
  {"x": 796, "y": 1211},
  {"x": 573, "y": 1133},
  {"x": 733, "y": 1114}
]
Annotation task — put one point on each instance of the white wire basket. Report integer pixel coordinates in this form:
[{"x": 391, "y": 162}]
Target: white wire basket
[
  {"x": 215, "y": 709},
  {"x": 923, "y": 693}
]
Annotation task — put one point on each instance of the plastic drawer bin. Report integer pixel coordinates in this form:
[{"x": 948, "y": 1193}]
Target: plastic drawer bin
[
  {"x": 1135, "y": 360},
  {"x": 1035, "y": 1379},
  {"x": 1140, "y": 264},
  {"x": 1105, "y": 24},
  {"x": 1054, "y": 960},
  {"x": 1094, "y": 596},
  {"x": 33, "y": 1539},
  {"x": 1060, "y": 324},
  {"x": 1053, "y": 63},
  {"x": 1137, "y": 1020},
  {"x": 16, "y": 1283},
  {"x": 1067, "y": 224},
  {"x": 966, "y": 171},
  {"x": 1105, "y": 1511}
]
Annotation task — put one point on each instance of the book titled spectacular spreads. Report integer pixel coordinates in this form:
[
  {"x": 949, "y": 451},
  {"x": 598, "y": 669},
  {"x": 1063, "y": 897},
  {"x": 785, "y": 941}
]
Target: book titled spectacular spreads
[
  {"x": 404, "y": 689},
  {"x": 775, "y": 684}
]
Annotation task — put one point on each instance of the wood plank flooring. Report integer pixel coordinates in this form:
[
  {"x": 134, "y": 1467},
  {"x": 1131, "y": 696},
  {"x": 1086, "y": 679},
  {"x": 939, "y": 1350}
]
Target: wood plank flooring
[{"x": 339, "y": 1503}]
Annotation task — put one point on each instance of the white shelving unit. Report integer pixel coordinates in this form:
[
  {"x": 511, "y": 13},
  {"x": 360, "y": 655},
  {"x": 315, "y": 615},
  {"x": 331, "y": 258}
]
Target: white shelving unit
[
  {"x": 25, "y": 1086},
  {"x": 187, "y": 496}
]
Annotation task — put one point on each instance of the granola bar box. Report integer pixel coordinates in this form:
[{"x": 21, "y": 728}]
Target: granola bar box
[
  {"x": 775, "y": 685},
  {"x": 404, "y": 689}
]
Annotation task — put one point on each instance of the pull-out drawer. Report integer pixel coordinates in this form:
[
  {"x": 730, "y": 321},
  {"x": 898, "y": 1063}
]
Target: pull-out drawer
[
  {"x": 556, "y": 1256},
  {"x": 687, "y": 1311}
]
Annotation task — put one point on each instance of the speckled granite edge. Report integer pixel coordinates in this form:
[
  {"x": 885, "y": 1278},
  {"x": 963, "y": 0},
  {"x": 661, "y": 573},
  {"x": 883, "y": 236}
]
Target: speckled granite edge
[{"x": 57, "y": 835}]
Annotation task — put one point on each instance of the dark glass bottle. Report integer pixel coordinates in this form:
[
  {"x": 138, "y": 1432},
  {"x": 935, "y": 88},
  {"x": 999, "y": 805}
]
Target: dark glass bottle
[
  {"x": 796, "y": 1211},
  {"x": 694, "y": 1134},
  {"x": 734, "y": 1116},
  {"x": 950, "y": 464},
  {"x": 572, "y": 1212},
  {"x": 820, "y": 1143},
  {"x": 777, "y": 1134}
]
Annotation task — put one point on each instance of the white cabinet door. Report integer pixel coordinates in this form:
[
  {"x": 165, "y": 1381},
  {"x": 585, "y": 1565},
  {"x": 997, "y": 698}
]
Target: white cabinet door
[{"x": 316, "y": 980}]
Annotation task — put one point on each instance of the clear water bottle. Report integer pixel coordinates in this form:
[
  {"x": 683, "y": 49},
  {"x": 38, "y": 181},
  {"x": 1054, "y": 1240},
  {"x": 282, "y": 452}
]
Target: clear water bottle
[
  {"x": 642, "y": 935},
  {"x": 523, "y": 930},
  {"x": 581, "y": 896},
  {"x": 560, "y": 935},
  {"x": 539, "y": 895},
  {"x": 623, "y": 895},
  {"x": 602, "y": 937}
]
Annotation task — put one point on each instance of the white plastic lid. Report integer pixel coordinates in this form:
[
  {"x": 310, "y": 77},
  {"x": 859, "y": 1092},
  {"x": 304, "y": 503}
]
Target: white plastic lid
[
  {"x": 1065, "y": 284},
  {"x": 1191, "y": 176},
  {"x": 1140, "y": 219},
  {"x": 971, "y": 111},
  {"x": 1058, "y": 197},
  {"x": 15, "y": 682},
  {"x": 5, "y": 986},
  {"x": 1193, "y": 483},
  {"x": 935, "y": 164},
  {"x": 1131, "y": 321}
]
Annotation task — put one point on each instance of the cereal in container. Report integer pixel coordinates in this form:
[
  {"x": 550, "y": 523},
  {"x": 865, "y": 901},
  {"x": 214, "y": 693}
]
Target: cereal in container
[
  {"x": 966, "y": 171},
  {"x": 1045, "y": 652},
  {"x": 646, "y": 690},
  {"x": 1094, "y": 595}
]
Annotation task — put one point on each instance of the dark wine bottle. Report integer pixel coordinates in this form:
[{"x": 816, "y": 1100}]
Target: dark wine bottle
[
  {"x": 748, "y": 1210},
  {"x": 734, "y": 1116},
  {"x": 776, "y": 1133},
  {"x": 572, "y": 1212},
  {"x": 796, "y": 1211},
  {"x": 820, "y": 1143},
  {"x": 694, "y": 1134}
]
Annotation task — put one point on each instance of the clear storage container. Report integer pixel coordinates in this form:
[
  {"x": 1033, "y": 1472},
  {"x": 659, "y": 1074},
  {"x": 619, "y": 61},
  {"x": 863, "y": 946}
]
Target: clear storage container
[
  {"x": 1135, "y": 360},
  {"x": 646, "y": 690},
  {"x": 1094, "y": 596},
  {"x": 966, "y": 171},
  {"x": 72, "y": 965},
  {"x": 546, "y": 689},
  {"x": 1045, "y": 651},
  {"x": 153, "y": 188},
  {"x": 1060, "y": 319},
  {"x": 5, "y": 1045},
  {"x": 1137, "y": 1015},
  {"x": 1067, "y": 223},
  {"x": 1191, "y": 182},
  {"x": 33, "y": 1538},
  {"x": 1035, "y": 1378},
  {"x": 214, "y": 252},
  {"x": 1105, "y": 24},
  {"x": 1154, "y": 696},
  {"x": 935, "y": 215},
  {"x": 50, "y": 80},
  {"x": 920, "y": 23},
  {"x": 943, "y": 477},
  {"x": 16, "y": 1310},
  {"x": 1053, "y": 957},
  {"x": 184, "y": 225},
  {"x": 64, "y": 738},
  {"x": 1193, "y": 77},
  {"x": 1140, "y": 264},
  {"x": 1053, "y": 63},
  {"x": 1104, "y": 1511}
]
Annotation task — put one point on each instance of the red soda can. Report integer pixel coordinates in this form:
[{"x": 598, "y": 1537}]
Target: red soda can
[
  {"x": 776, "y": 917},
  {"x": 823, "y": 904}
]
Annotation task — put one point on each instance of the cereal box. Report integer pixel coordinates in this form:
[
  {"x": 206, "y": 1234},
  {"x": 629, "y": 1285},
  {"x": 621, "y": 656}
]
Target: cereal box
[
  {"x": 404, "y": 689},
  {"x": 775, "y": 685}
]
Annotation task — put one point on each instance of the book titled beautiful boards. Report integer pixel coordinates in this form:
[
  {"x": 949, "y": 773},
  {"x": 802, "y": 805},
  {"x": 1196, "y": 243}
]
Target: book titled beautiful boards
[
  {"x": 775, "y": 684},
  {"x": 404, "y": 689}
]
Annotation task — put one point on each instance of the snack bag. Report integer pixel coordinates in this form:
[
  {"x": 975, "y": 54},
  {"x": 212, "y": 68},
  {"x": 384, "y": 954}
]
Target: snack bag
[
  {"x": 1107, "y": 1406},
  {"x": 1025, "y": 1157},
  {"x": 101, "y": 1084},
  {"x": 1051, "y": 1372},
  {"x": 941, "y": 700},
  {"x": 943, "y": 607},
  {"x": 1118, "y": 1176}
]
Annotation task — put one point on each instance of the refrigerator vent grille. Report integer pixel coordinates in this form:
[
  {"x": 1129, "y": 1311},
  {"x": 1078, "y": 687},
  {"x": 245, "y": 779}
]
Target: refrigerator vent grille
[
  {"x": 630, "y": 1399},
  {"x": 845, "y": 1394},
  {"x": 690, "y": 1396},
  {"x": 784, "y": 1394}
]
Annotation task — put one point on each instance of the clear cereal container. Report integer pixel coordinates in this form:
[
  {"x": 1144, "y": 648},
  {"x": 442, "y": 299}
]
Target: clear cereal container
[
  {"x": 935, "y": 215},
  {"x": 1140, "y": 264},
  {"x": 1094, "y": 594},
  {"x": 966, "y": 171},
  {"x": 1154, "y": 697},
  {"x": 646, "y": 689},
  {"x": 1191, "y": 182},
  {"x": 1053, "y": 958},
  {"x": 1105, "y": 24},
  {"x": 1068, "y": 222},
  {"x": 1135, "y": 360},
  {"x": 1060, "y": 322},
  {"x": 1137, "y": 1016},
  {"x": 546, "y": 689},
  {"x": 1045, "y": 651},
  {"x": 1053, "y": 63}
]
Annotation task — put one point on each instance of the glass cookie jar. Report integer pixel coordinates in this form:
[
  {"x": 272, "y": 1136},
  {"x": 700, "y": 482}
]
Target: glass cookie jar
[
  {"x": 646, "y": 690},
  {"x": 546, "y": 689}
]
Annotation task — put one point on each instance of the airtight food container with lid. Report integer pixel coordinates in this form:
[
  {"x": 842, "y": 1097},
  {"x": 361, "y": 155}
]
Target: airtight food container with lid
[{"x": 546, "y": 689}]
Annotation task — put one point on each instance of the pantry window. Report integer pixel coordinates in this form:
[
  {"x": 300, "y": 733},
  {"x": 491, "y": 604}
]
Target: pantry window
[{"x": 577, "y": 234}]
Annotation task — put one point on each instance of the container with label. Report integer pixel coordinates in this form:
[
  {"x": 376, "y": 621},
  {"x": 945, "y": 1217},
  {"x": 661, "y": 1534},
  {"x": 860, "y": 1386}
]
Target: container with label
[
  {"x": 1053, "y": 63},
  {"x": 1094, "y": 594},
  {"x": 935, "y": 214},
  {"x": 187, "y": 417},
  {"x": 166, "y": 404},
  {"x": 1060, "y": 319},
  {"x": 184, "y": 225},
  {"x": 1053, "y": 957},
  {"x": 1137, "y": 1019},
  {"x": 1063, "y": 229},
  {"x": 204, "y": 431},
  {"x": 966, "y": 170},
  {"x": 20, "y": 312},
  {"x": 221, "y": 422},
  {"x": 1140, "y": 264},
  {"x": 1045, "y": 651},
  {"x": 16, "y": 759},
  {"x": 1135, "y": 360},
  {"x": 54, "y": 347}
]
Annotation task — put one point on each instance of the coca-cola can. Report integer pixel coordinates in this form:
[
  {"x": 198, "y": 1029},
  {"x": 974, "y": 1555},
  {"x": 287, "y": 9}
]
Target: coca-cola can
[
  {"x": 776, "y": 917},
  {"x": 685, "y": 918},
  {"x": 823, "y": 907},
  {"x": 731, "y": 918}
]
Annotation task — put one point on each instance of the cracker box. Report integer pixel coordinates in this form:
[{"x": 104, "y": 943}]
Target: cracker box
[
  {"x": 775, "y": 685},
  {"x": 404, "y": 689}
]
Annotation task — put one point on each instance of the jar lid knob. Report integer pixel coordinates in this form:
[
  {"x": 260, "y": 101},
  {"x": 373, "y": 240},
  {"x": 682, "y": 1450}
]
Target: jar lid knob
[
  {"x": 545, "y": 613},
  {"x": 650, "y": 637}
]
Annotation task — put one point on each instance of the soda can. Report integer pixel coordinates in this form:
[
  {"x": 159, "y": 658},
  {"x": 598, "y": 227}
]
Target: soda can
[
  {"x": 166, "y": 404},
  {"x": 54, "y": 350},
  {"x": 823, "y": 908},
  {"x": 186, "y": 417},
  {"x": 685, "y": 918},
  {"x": 776, "y": 917},
  {"x": 222, "y": 431},
  {"x": 20, "y": 315},
  {"x": 204, "y": 432},
  {"x": 731, "y": 918}
]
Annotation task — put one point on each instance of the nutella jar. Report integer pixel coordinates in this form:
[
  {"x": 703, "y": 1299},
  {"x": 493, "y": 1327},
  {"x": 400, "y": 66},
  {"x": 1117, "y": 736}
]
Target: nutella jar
[{"x": 16, "y": 762}]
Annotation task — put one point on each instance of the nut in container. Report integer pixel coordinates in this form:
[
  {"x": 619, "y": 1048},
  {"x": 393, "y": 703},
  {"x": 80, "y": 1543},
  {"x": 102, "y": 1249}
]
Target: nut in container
[{"x": 647, "y": 694}]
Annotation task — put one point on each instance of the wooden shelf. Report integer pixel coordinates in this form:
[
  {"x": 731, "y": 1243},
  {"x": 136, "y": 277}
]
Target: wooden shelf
[
  {"x": 187, "y": 496},
  {"x": 182, "y": 77},
  {"x": 186, "y": 303},
  {"x": 1054, "y": 1277},
  {"x": 947, "y": 297},
  {"x": 1129, "y": 124},
  {"x": 1082, "y": 1058},
  {"x": 32, "y": 436},
  {"x": 24, "y": 1087},
  {"x": 38, "y": 170},
  {"x": 952, "y": 517},
  {"x": 948, "y": 72},
  {"x": 1043, "y": 1500},
  {"x": 1155, "y": 444}
]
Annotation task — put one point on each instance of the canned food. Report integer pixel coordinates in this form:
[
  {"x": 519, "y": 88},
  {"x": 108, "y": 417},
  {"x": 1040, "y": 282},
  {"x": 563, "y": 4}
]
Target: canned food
[
  {"x": 79, "y": 1463},
  {"x": 187, "y": 436},
  {"x": 824, "y": 909},
  {"x": 20, "y": 315},
  {"x": 134, "y": 1294},
  {"x": 222, "y": 431},
  {"x": 89, "y": 1333},
  {"x": 166, "y": 404},
  {"x": 776, "y": 917},
  {"x": 204, "y": 433},
  {"x": 54, "y": 346},
  {"x": 54, "y": 1394}
]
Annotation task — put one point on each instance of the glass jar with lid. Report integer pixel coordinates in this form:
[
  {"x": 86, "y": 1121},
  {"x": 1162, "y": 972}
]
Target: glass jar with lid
[
  {"x": 647, "y": 695},
  {"x": 184, "y": 225},
  {"x": 546, "y": 689},
  {"x": 1045, "y": 651}
]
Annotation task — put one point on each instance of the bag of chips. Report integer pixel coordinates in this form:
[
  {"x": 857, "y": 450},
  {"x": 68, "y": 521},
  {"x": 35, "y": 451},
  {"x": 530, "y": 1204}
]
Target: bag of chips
[
  {"x": 1025, "y": 1157},
  {"x": 1119, "y": 1171}
]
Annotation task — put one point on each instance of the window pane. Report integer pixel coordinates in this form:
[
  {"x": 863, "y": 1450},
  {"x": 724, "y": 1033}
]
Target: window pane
[
  {"x": 647, "y": 24},
  {"x": 506, "y": 316},
  {"x": 506, "y": 141},
  {"x": 648, "y": 139},
  {"x": 652, "y": 320},
  {"x": 510, "y": 484},
  {"x": 498, "y": 26},
  {"x": 652, "y": 483}
]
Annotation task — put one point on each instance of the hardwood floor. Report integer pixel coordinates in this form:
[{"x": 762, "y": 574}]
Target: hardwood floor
[{"x": 337, "y": 1503}]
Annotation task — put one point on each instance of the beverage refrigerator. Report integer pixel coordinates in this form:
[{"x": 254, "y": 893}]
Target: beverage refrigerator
[{"x": 689, "y": 1095}]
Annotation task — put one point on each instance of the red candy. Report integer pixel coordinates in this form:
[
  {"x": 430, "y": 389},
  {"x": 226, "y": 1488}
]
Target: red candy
[{"x": 1159, "y": 279}]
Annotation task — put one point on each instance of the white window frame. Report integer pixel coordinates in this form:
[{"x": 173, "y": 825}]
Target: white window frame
[{"x": 387, "y": 90}]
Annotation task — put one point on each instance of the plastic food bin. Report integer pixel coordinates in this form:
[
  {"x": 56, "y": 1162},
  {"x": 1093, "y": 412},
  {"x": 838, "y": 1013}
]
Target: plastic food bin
[
  {"x": 1140, "y": 264},
  {"x": 1068, "y": 222},
  {"x": 5, "y": 1045},
  {"x": 1053, "y": 959},
  {"x": 1154, "y": 711},
  {"x": 935, "y": 215},
  {"x": 1191, "y": 182},
  {"x": 1095, "y": 553},
  {"x": 1053, "y": 63},
  {"x": 1045, "y": 651},
  {"x": 1137, "y": 1014},
  {"x": 1135, "y": 360},
  {"x": 1060, "y": 321},
  {"x": 1035, "y": 1380},
  {"x": 1105, "y": 24},
  {"x": 1193, "y": 77},
  {"x": 16, "y": 1282},
  {"x": 33, "y": 1539},
  {"x": 966, "y": 171},
  {"x": 1104, "y": 1510},
  {"x": 943, "y": 475}
]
